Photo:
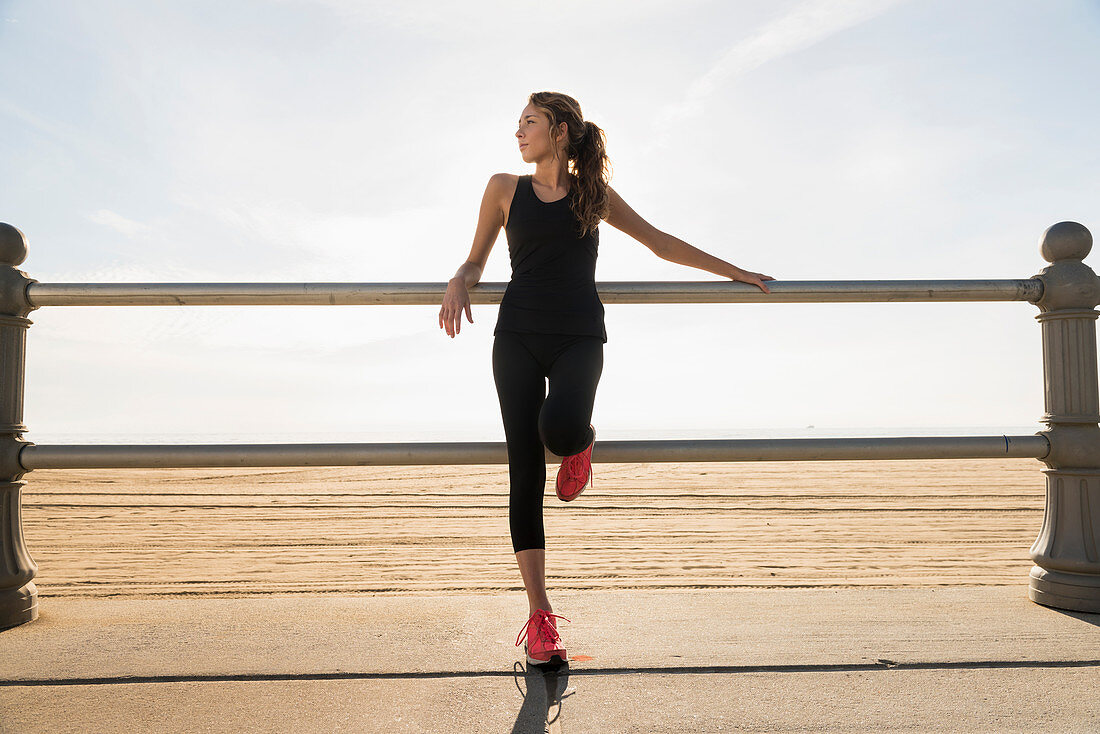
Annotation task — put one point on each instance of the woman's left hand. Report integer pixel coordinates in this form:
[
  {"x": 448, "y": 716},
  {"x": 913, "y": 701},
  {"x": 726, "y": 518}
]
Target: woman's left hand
[{"x": 757, "y": 279}]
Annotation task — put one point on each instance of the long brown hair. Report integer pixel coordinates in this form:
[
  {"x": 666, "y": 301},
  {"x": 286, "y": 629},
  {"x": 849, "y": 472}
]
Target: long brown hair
[{"x": 586, "y": 156}]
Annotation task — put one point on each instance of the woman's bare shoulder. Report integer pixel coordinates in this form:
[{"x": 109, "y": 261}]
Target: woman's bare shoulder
[
  {"x": 504, "y": 185},
  {"x": 505, "y": 179}
]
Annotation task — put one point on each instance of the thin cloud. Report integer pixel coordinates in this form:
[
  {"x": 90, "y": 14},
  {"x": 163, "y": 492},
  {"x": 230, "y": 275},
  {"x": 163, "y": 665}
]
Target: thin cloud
[
  {"x": 69, "y": 137},
  {"x": 117, "y": 222},
  {"x": 485, "y": 17},
  {"x": 807, "y": 24},
  {"x": 374, "y": 246}
]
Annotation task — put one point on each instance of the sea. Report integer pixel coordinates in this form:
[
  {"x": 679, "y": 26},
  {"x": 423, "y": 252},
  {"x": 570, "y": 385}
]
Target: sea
[{"x": 604, "y": 433}]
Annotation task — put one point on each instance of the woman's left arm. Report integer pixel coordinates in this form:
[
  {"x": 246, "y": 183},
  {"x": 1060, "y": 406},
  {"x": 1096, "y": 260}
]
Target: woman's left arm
[{"x": 673, "y": 249}]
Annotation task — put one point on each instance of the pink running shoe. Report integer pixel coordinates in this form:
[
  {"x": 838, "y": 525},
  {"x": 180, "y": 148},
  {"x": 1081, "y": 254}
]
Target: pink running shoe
[
  {"x": 575, "y": 473},
  {"x": 543, "y": 643}
]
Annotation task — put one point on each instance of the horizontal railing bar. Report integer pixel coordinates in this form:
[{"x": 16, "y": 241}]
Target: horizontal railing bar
[
  {"x": 422, "y": 294},
  {"x": 34, "y": 456}
]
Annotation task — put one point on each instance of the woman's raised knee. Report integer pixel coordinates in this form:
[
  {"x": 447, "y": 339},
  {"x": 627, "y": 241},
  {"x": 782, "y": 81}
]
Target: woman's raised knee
[{"x": 563, "y": 437}]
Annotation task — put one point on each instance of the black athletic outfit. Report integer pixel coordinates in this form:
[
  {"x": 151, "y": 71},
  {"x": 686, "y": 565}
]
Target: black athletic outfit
[{"x": 550, "y": 325}]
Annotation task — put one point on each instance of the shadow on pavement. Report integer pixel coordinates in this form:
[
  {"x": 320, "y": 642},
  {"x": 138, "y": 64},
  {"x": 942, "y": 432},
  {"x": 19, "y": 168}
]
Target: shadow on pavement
[
  {"x": 1093, "y": 619},
  {"x": 543, "y": 690}
]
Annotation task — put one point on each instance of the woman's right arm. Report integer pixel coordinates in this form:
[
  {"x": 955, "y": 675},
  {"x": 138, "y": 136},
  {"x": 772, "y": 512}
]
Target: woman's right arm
[{"x": 489, "y": 223}]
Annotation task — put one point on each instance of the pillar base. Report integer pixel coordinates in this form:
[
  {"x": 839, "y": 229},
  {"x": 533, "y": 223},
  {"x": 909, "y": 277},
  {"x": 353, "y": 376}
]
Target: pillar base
[
  {"x": 18, "y": 606},
  {"x": 1078, "y": 592}
]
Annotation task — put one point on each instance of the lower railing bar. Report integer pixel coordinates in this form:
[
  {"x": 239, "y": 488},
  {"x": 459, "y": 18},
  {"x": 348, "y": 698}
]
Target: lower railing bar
[
  {"x": 413, "y": 294},
  {"x": 34, "y": 456}
]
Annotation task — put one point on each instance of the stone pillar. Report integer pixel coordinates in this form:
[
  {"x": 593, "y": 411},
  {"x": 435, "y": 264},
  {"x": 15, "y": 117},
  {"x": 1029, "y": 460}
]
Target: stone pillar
[
  {"x": 1066, "y": 573},
  {"x": 18, "y": 597}
]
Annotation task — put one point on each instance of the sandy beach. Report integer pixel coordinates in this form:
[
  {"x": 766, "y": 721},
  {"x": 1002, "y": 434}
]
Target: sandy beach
[{"x": 410, "y": 530}]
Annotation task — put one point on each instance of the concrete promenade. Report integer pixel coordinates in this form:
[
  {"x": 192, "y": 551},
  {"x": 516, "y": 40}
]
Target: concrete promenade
[{"x": 956, "y": 659}]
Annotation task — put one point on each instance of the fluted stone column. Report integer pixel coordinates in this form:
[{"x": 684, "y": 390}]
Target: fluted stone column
[
  {"x": 1066, "y": 574},
  {"x": 18, "y": 597}
]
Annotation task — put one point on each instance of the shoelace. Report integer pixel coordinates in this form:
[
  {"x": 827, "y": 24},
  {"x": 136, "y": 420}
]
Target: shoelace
[
  {"x": 543, "y": 626},
  {"x": 575, "y": 469}
]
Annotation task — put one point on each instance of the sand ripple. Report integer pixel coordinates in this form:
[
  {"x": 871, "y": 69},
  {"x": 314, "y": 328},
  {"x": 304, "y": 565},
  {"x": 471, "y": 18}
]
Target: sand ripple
[{"x": 408, "y": 530}]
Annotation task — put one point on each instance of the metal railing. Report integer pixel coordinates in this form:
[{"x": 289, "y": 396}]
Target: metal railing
[
  {"x": 429, "y": 294},
  {"x": 1066, "y": 554},
  {"x": 97, "y": 456}
]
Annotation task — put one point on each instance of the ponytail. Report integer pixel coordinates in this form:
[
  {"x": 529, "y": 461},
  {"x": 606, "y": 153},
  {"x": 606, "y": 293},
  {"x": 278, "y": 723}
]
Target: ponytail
[{"x": 586, "y": 150}]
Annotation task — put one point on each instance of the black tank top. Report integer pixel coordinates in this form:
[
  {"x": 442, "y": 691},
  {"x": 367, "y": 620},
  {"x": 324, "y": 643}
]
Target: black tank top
[{"x": 553, "y": 285}]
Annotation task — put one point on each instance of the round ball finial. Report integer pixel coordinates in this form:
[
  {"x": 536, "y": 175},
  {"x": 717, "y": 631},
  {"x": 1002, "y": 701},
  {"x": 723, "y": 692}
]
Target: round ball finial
[
  {"x": 13, "y": 245},
  {"x": 1065, "y": 241}
]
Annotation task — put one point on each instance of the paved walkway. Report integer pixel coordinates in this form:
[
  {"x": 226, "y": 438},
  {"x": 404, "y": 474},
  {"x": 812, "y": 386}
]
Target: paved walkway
[{"x": 961, "y": 659}]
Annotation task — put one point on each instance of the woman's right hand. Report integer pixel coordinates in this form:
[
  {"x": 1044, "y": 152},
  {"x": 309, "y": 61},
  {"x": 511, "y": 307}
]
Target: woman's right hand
[{"x": 455, "y": 301}]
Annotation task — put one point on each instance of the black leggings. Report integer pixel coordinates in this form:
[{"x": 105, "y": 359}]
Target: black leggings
[{"x": 532, "y": 419}]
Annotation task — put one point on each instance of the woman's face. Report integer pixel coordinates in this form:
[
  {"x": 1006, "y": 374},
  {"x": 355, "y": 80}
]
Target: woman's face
[{"x": 533, "y": 135}]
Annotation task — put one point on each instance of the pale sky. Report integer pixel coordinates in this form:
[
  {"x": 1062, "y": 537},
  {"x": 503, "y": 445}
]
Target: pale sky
[{"x": 331, "y": 140}]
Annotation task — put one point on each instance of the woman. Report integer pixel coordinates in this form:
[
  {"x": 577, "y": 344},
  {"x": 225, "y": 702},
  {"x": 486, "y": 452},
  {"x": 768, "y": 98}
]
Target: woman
[{"x": 551, "y": 321}]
